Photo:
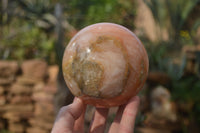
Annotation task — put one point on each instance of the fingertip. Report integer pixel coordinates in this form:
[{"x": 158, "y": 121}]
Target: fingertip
[
  {"x": 135, "y": 99},
  {"x": 76, "y": 99},
  {"x": 133, "y": 104}
]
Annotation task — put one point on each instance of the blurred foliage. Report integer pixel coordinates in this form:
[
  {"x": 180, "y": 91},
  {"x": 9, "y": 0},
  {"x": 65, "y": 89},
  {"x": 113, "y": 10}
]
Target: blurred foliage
[
  {"x": 86, "y": 12},
  {"x": 181, "y": 21},
  {"x": 29, "y": 10},
  {"x": 25, "y": 42},
  {"x": 176, "y": 17},
  {"x": 157, "y": 55},
  {"x": 184, "y": 87},
  {"x": 28, "y": 26},
  {"x": 172, "y": 15},
  {"x": 183, "y": 90}
]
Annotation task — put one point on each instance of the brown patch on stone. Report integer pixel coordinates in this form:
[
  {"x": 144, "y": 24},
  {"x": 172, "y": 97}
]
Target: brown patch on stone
[
  {"x": 87, "y": 74},
  {"x": 92, "y": 74},
  {"x": 96, "y": 47}
]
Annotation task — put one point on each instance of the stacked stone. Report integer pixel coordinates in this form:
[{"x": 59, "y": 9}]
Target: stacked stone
[
  {"x": 21, "y": 105},
  {"x": 8, "y": 70},
  {"x": 26, "y": 96},
  {"x": 43, "y": 96},
  {"x": 2, "y": 102}
]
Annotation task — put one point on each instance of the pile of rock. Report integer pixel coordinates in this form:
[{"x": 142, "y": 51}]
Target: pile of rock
[
  {"x": 8, "y": 72},
  {"x": 26, "y": 96},
  {"x": 43, "y": 96}
]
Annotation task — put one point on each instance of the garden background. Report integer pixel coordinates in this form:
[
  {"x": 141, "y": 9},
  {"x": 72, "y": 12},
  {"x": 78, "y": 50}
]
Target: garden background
[{"x": 34, "y": 33}]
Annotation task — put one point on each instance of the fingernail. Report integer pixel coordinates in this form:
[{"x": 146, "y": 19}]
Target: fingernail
[{"x": 76, "y": 100}]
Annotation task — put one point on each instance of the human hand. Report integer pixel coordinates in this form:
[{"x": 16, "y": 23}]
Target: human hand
[{"x": 71, "y": 118}]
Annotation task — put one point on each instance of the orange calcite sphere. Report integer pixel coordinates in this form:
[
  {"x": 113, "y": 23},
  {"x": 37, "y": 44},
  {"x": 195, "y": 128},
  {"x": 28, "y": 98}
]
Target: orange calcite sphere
[{"x": 105, "y": 65}]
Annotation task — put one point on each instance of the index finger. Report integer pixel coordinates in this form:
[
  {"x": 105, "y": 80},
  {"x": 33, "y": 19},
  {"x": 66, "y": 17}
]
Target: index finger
[{"x": 129, "y": 114}]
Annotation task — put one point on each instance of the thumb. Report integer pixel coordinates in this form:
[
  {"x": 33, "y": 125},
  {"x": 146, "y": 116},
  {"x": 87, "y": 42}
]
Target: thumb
[{"x": 67, "y": 116}]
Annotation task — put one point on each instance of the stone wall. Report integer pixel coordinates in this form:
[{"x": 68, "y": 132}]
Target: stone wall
[{"x": 27, "y": 96}]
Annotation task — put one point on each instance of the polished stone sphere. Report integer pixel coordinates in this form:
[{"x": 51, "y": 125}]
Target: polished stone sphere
[{"x": 105, "y": 65}]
